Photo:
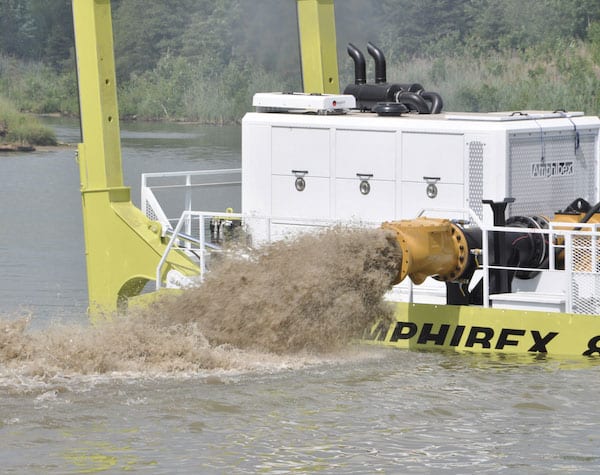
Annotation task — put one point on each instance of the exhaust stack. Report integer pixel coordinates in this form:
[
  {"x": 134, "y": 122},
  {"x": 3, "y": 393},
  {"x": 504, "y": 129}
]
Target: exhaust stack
[
  {"x": 392, "y": 99},
  {"x": 360, "y": 66},
  {"x": 380, "y": 66}
]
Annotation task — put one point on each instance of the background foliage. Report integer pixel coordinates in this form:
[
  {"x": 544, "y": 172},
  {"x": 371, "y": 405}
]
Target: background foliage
[{"x": 203, "y": 59}]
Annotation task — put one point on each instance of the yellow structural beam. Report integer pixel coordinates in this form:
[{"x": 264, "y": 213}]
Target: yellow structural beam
[
  {"x": 316, "y": 26},
  {"x": 123, "y": 247}
]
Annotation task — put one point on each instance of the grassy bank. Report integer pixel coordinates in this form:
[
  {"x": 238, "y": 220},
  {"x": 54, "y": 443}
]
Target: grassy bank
[
  {"x": 180, "y": 89},
  {"x": 18, "y": 128},
  {"x": 568, "y": 79},
  {"x": 38, "y": 88},
  {"x": 510, "y": 80}
]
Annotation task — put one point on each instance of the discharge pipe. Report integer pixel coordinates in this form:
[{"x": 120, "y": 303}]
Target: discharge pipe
[{"x": 430, "y": 247}]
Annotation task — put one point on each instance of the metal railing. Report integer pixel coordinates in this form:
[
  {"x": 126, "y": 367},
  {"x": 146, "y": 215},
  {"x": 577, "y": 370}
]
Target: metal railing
[
  {"x": 199, "y": 242},
  {"x": 184, "y": 182},
  {"x": 576, "y": 243}
]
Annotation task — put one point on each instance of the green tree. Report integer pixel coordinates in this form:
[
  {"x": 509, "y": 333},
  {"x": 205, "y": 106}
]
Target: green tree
[
  {"x": 416, "y": 28},
  {"x": 520, "y": 24},
  {"x": 593, "y": 34},
  {"x": 16, "y": 28},
  {"x": 37, "y": 29},
  {"x": 146, "y": 30},
  {"x": 214, "y": 35},
  {"x": 270, "y": 36},
  {"x": 53, "y": 31}
]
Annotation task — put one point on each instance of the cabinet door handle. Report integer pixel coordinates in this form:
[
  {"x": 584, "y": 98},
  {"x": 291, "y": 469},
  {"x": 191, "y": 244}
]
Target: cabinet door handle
[
  {"x": 364, "y": 176},
  {"x": 300, "y": 172}
]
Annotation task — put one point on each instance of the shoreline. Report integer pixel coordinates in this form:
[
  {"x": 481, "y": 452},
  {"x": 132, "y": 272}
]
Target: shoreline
[
  {"x": 21, "y": 148},
  {"x": 134, "y": 118},
  {"x": 12, "y": 147}
]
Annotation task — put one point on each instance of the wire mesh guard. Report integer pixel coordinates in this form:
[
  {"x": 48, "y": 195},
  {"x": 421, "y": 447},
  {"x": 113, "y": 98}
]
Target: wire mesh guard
[
  {"x": 545, "y": 168},
  {"x": 585, "y": 281},
  {"x": 476, "y": 177},
  {"x": 150, "y": 212}
]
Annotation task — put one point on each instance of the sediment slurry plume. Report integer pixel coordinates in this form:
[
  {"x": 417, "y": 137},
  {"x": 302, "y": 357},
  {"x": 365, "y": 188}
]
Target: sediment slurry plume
[
  {"x": 308, "y": 295},
  {"x": 312, "y": 293}
]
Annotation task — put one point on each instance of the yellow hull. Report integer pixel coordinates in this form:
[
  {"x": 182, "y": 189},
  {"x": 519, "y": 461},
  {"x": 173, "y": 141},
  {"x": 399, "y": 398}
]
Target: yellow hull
[{"x": 477, "y": 329}]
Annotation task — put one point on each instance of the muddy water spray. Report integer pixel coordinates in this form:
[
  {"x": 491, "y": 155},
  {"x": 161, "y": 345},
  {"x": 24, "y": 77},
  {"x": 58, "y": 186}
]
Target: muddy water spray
[{"x": 311, "y": 295}]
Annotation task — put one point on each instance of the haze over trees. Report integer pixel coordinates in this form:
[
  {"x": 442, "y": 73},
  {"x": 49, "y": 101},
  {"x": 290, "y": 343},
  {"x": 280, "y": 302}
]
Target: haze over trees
[{"x": 203, "y": 59}]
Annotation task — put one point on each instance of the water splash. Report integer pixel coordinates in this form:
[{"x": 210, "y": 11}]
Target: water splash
[{"x": 291, "y": 301}]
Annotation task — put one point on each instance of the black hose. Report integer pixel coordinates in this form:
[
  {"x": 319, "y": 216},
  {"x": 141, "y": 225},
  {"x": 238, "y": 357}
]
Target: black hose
[
  {"x": 435, "y": 100},
  {"x": 413, "y": 101},
  {"x": 416, "y": 87},
  {"x": 591, "y": 212}
]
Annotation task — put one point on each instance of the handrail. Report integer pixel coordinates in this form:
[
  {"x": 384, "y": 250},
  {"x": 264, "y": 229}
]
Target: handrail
[
  {"x": 556, "y": 229},
  {"x": 189, "y": 172},
  {"x": 195, "y": 185},
  {"x": 149, "y": 199},
  {"x": 176, "y": 234},
  {"x": 465, "y": 211}
]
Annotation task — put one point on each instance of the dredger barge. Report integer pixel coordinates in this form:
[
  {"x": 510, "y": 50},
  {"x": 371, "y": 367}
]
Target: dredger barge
[{"x": 496, "y": 214}]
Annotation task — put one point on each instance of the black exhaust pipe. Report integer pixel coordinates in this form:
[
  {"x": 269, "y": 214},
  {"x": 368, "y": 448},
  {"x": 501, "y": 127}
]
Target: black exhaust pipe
[
  {"x": 360, "y": 66},
  {"x": 380, "y": 68},
  {"x": 411, "y": 96}
]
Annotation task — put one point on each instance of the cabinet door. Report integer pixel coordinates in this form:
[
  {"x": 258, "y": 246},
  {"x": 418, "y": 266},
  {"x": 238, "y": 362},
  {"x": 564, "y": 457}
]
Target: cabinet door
[
  {"x": 376, "y": 206},
  {"x": 414, "y": 198},
  {"x": 367, "y": 152},
  {"x": 297, "y": 148},
  {"x": 311, "y": 202},
  {"x": 432, "y": 155}
]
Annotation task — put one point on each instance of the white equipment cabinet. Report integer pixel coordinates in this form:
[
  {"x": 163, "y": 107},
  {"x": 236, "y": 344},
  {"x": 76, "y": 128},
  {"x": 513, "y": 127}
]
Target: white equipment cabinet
[{"x": 304, "y": 169}]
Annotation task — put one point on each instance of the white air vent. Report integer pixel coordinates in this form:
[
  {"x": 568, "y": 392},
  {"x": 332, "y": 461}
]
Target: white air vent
[{"x": 320, "y": 103}]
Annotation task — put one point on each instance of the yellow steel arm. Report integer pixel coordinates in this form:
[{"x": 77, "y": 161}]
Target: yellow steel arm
[
  {"x": 123, "y": 247},
  {"x": 316, "y": 24}
]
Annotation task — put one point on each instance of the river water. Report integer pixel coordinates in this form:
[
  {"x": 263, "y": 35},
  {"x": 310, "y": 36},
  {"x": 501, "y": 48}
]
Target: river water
[{"x": 356, "y": 410}]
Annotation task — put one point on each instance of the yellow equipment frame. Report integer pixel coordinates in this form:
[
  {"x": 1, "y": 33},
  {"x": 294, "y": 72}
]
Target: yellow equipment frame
[
  {"x": 316, "y": 26},
  {"x": 123, "y": 247}
]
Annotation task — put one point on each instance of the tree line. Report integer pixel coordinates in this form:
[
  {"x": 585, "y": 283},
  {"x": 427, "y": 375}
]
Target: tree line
[{"x": 203, "y": 59}]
